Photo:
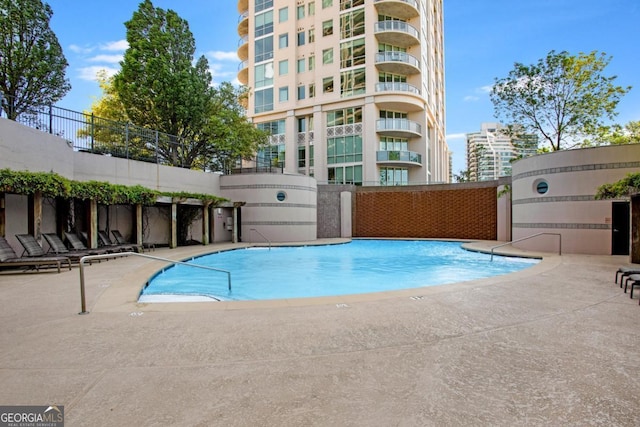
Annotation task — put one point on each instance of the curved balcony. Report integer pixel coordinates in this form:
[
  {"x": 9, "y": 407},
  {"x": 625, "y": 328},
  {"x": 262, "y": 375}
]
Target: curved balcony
[
  {"x": 403, "y": 9},
  {"x": 243, "y": 5},
  {"x": 243, "y": 24},
  {"x": 397, "y": 63},
  {"x": 243, "y": 72},
  {"x": 243, "y": 48},
  {"x": 396, "y": 158},
  {"x": 396, "y": 33},
  {"x": 398, "y": 97},
  {"x": 401, "y": 128}
]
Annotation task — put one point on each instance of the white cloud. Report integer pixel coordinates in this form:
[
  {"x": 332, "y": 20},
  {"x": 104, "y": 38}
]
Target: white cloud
[
  {"x": 456, "y": 136},
  {"x": 219, "y": 55},
  {"x": 110, "y": 59},
  {"x": 116, "y": 46},
  {"x": 485, "y": 89},
  {"x": 470, "y": 98},
  {"x": 80, "y": 49},
  {"x": 90, "y": 73}
]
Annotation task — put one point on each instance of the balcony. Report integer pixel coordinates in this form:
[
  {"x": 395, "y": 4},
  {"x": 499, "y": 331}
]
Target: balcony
[
  {"x": 396, "y": 158},
  {"x": 396, "y": 33},
  {"x": 400, "y": 128},
  {"x": 243, "y": 24},
  {"x": 395, "y": 96},
  {"x": 397, "y": 63},
  {"x": 243, "y": 5},
  {"x": 243, "y": 72},
  {"x": 243, "y": 48},
  {"x": 403, "y": 9}
]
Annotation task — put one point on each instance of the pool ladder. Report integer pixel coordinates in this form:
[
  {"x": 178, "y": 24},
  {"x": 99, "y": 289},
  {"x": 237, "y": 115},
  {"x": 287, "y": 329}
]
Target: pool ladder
[
  {"x": 529, "y": 237},
  {"x": 262, "y": 235}
]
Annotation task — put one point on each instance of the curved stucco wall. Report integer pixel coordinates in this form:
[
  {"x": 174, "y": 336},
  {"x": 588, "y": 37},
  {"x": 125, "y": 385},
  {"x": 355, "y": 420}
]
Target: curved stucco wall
[
  {"x": 290, "y": 220},
  {"x": 568, "y": 207}
]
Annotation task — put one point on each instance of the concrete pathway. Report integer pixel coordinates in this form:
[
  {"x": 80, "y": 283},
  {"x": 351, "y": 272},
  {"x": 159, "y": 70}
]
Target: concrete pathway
[{"x": 555, "y": 345}]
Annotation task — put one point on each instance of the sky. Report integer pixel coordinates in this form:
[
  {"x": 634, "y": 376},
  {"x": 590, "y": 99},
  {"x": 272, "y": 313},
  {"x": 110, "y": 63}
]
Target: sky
[{"x": 483, "y": 41}]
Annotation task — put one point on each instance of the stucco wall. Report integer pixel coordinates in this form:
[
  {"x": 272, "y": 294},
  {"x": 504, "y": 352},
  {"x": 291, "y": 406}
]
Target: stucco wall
[
  {"x": 288, "y": 220},
  {"x": 568, "y": 207},
  {"x": 329, "y": 210}
]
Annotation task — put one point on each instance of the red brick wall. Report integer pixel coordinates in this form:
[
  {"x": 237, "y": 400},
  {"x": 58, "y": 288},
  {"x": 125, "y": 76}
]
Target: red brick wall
[{"x": 441, "y": 211}]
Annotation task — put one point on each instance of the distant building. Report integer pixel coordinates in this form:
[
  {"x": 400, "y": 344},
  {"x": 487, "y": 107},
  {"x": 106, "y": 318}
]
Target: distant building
[
  {"x": 491, "y": 151},
  {"x": 351, "y": 91}
]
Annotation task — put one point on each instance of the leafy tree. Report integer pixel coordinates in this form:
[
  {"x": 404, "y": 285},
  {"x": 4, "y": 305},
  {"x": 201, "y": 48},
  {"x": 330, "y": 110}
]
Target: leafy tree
[
  {"x": 561, "y": 98},
  {"x": 616, "y": 135},
  {"x": 623, "y": 188},
  {"x": 32, "y": 64},
  {"x": 159, "y": 86}
]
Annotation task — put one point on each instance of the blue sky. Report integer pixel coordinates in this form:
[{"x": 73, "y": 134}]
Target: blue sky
[{"x": 483, "y": 39}]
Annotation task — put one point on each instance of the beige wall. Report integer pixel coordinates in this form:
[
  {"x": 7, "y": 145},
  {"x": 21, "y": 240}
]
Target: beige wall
[{"x": 569, "y": 207}]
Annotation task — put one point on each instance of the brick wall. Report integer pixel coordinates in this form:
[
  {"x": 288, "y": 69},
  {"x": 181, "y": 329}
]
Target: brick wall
[{"x": 460, "y": 211}]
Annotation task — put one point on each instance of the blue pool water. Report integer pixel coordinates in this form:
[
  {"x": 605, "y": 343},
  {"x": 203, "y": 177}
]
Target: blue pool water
[{"x": 361, "y": 266}]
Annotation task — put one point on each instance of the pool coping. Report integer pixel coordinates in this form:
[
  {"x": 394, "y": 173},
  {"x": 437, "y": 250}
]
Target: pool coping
[{"x": 122, "y": 296}]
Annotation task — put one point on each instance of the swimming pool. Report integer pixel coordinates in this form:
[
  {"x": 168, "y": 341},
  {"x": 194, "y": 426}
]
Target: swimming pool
[{"x": 361, "y": 266}]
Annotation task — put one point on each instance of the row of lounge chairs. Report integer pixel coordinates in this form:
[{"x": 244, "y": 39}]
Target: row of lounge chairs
[
  {"x": 630, "y": 277},
  {"x": 35, "y": 257}
]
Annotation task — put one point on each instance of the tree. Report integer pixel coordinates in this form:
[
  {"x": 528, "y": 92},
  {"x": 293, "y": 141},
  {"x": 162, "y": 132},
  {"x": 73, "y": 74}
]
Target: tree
[
  {"x": 616, "y": 135},
  {"x": 32, "y": 64},
  {"x": 159, "y": 86},
  {"x": 562, "y": 98}
]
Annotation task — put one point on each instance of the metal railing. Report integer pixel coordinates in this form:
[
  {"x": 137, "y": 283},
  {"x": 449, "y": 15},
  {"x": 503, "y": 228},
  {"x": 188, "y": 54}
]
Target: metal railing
[
  {"x": 262, "y": 235},
  {"x": 124, "y": 254},
  {"x": 529, "y": 237}
]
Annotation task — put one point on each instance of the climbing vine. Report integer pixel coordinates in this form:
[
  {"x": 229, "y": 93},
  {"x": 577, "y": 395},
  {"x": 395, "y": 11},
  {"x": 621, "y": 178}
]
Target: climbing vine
[{"x": 620, "y": 189}]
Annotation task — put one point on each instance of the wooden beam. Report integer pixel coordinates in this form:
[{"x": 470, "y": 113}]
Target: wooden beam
[
  {"x": 3, "y": 218},
  {"x": 174, "y": 226},
  {"x": 34, "y": 214}
]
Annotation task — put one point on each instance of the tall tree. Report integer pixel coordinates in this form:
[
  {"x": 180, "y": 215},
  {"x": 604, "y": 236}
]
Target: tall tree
[
  {"x": 616, "y": 135},
  {"x": 562, "y": 98},
  {"x": 32, "y": 64},
  {"x": 158, "y": 84}
]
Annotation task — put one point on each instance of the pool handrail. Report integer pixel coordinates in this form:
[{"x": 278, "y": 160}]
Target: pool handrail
[
  {"x": 124, "y": 254},
  {"x": 529, "y": 237},
  {"x": 263, "y": 236}
]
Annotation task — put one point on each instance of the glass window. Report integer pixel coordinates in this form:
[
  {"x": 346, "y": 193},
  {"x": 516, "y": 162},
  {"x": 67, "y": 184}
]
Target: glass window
[
  {"x": 327, "y": 85},
  {"x": 352, "y": 53},
  {"x": 352, "y": 24},
  {"x": 301, "y": 92},
  {"x": 283, "y": 14},
  {"x": 302, "y": 124},
  {"x": 283, "y": 67},
  {"x": 352, "y": 82},
  {"x": 312, "y": 63},
  {"x": 301, "y": 38},
  {"x": 283, "y": 94},
  {"x": 312, "y": 8},
  {"x": 327, "y": 56},
  {"x": 327, "y": 3},
  {"x": 264, "y": 49},
  {"x": 312, "y": 90},
  {"x": 264, "y": 100},
  {"x": 272, "y": 128},
  {"x": 348, "y": 4},
  {"x": 300, "y": 11},
  {"x": 263, "y": 4},
  {"x": 301, "y": 157},
  {"x": 344, "y": 116},
  {"x": 264, "y": 23},
  {"x": 312, "y": 35},
  {"x": 264, "y": 74},
  {"x": 327, "y": 28},
  {"x": 283, "y": 41},
  {"x": 301, "y": 63}
]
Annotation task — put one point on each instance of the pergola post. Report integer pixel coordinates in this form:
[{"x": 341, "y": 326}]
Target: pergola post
[
  {"x": 35, "y": 215},
  {"x": 206, "y": 224},
  {"x": 92, "y": 226},
  {"x": 138, "y": 226},
  {"x": 3, "y": 220},
  {"x": 634, "y": 253},
  {"x": 174, "y": 225}
]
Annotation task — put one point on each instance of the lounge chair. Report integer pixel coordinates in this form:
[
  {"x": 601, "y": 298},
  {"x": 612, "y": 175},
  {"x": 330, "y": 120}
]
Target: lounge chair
[
  {"x": 120, "y": 240},
  {"x": 626, "y": 271},
  {"x": 106, "y": 242},
  {"x": 9, "y": 259},
  {"x": 76, "y": 244},
  {"x": 57, "y": 246}
]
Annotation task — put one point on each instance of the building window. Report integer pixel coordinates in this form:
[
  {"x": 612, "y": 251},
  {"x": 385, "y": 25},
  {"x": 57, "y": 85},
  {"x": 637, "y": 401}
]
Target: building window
[
  {"x": 301, "y": 38},
  {"x": 346, "y": 149},
  {"x": 276, "y": 127},
  {"x": 312, "y": 8},
  {"x": 352, "y": 24},
  {"x": 283, "y": 14},
  {"x": 327, "y": 85},
  {"x": 348, "y": 4},
  {"x": 264, "y": 49},
  {"x": 394, "y": 144},
  {"x": 312, "y": 63},
  {"x": 394, "y": 176},
  {"x": 327, "y": 28},
  {"x": 312, "y": 35},
  {"x": 283, "y": 94},
  {"x": 352, "y": 82},
  {"x": 327, "y": 3},
  {"x": 301, "y": 63},
  {"x": 283, "y": 67},
  {"x": 301, "y": 92},
  {"x": 264, "y": 100},
  {"x": 345, "y": 175},
  {"x": 352, "y": 53},
  {"x": 327, "y": 56},
  {"x": 283, "y": 41},
  {"x": 263, "y": 4},
  {"x": 542, "y": 186},
  {"x": 345, "y": 116},
  {"x": 312, "y": 90},
  {"x": 281, "y": 196},
  {"x": 300, "y": 11},
  {"x": 273, "y": 155},
  {"x": 264, "y": 24},
  {"x": 264, "y": 74},
  {"x": 302, "y": 157}
]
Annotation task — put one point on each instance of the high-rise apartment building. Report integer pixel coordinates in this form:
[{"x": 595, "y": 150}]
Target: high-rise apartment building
[
  {"x": 491, "y": 151},
  {"x": 351, "y": 91}
]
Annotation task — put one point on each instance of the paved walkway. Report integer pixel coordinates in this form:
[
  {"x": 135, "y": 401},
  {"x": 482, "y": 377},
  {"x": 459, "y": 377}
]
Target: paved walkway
[{"x": 555, "y": 345}]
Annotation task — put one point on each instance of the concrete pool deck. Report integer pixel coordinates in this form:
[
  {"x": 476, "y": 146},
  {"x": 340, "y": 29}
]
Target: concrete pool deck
[{"x": 556, "y": 344}]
